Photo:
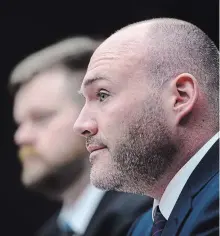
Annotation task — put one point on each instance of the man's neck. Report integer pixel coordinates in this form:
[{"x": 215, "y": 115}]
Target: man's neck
[
  {"x": 182, "y": 157},
  {"x": 75, "y": 190}
]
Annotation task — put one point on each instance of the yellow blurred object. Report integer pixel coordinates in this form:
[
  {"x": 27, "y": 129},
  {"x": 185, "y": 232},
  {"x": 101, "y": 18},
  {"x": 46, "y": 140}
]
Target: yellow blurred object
[{"x": 26, "y": 151}]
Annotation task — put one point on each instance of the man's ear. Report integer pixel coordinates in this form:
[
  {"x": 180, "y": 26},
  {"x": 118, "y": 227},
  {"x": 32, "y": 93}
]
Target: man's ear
[{"x": 185, "y": 94}]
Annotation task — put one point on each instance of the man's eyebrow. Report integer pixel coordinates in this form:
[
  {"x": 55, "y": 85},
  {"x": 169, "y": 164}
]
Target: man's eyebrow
[{"x": 90, "y": 82}]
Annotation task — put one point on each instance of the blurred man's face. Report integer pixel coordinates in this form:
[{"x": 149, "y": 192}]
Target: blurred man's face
[
  {"x": 50, "y": 152},
  {"x": 123, "y": 121}
]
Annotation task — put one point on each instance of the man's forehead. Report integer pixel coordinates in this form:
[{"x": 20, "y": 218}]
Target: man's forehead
[
  {"x": 128, "y": 42},
  {"x": 31, "y": 97},
  {"x": 113, "y": 49},
  {"x": 117, "y": 49},
  {"x": 114, "y": 58},
  {"x": 111, "y": 63},
  {"x": 26, "y": 100}
]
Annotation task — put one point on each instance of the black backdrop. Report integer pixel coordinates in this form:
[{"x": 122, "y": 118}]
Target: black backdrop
[{"x": 28, "y": 26}]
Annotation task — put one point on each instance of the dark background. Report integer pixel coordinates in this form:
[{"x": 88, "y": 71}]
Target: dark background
[{"x": 29, "y": 26}]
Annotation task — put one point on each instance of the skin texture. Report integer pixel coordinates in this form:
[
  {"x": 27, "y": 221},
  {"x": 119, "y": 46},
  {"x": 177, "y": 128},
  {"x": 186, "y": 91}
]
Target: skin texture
[
  {"x": 53, "y": 157},
  {"x": 145, "y": 123}
]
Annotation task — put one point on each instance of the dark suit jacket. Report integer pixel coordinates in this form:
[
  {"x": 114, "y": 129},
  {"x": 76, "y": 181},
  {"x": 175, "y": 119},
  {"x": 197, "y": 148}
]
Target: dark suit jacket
[
  {"x": 197, "y": 209},
  {"x": 113, "y": 217}
]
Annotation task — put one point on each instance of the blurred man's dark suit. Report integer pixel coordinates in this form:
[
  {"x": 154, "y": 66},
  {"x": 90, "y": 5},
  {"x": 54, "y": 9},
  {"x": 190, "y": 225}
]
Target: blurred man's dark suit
[
  {"x": 197, "y": 210},
  {"x": 113, "y": 216}
]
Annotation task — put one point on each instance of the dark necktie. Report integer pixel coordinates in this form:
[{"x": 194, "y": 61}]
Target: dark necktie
[{"x": 159, "y": 223}]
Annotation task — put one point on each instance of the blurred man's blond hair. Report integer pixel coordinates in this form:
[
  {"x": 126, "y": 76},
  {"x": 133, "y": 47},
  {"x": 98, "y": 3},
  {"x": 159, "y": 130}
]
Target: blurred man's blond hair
[{"x": 72, "y": 54}]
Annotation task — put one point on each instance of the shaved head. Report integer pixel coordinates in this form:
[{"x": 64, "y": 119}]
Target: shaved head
[
  {"x": 167, "y": 47},
  {"x": 152, "y": 97}
]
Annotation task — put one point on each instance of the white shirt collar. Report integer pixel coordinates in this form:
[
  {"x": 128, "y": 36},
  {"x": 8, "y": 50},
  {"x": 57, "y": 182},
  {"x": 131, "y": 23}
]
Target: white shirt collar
[
  {"x": 79, "y": 215},
  {"x": 176, "y": 185}
]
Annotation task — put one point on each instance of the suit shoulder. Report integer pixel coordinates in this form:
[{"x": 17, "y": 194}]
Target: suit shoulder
[
  {"x": 204, "y": 217},
  {"x": 210, "y": 190},
  {"x": 49, "y": 226},
  {"x": 206, "y": 202}
]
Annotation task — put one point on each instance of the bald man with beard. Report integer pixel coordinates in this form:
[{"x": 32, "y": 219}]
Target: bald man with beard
[{"x": 151, "y": 123}]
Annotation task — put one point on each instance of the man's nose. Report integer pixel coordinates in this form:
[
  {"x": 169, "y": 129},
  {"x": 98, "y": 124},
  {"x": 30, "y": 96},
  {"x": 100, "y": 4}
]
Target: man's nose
[
  {"x": 85, "y": 124},
  {"x": 24, "y": 136}
]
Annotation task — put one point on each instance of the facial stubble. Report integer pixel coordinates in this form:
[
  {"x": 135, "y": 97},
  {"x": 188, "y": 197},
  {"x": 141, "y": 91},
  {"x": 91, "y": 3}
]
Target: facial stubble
[{"x": 141, "y": 155}]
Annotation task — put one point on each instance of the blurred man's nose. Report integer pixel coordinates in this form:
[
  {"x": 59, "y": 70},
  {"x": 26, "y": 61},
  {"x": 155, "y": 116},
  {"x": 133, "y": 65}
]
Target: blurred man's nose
[
  {"x": 85, "y": 124},
  {"x": 24, "y": 136}
]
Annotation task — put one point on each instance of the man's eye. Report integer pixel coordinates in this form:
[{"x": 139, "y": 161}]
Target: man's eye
[
  {"x": 42, "y": 118},
  {"x": 102, "y": 95}
]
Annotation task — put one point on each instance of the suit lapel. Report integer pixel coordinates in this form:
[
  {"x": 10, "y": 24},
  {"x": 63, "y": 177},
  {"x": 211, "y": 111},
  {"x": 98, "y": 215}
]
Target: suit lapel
[
  {"x": 179, "y": 213},
  {"x": 100, "y": 214},
  {"x": 206, "y": 169}
]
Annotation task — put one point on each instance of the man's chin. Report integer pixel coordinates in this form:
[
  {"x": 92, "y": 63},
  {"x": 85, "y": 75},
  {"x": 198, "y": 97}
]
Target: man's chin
[
  {"x": 53, "y": 182},
  {"x": 104, "y": 181},
  {"x": 43, "y": 185},
  {"x": 31, "y": 182}
]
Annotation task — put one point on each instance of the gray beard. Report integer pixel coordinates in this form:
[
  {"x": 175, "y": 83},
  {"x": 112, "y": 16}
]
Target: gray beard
[
  {"x": 142, "y": 156},
  {"x": 143, "y": 160}
]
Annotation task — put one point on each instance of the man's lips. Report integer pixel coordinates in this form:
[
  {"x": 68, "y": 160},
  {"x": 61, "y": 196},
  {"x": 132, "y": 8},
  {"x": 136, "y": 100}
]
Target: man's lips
[{"x": 92, "y": 148}]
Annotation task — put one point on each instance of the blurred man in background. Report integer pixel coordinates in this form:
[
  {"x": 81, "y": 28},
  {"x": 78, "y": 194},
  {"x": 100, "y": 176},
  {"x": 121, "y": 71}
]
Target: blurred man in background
[{"x": 54, "y": 159}]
